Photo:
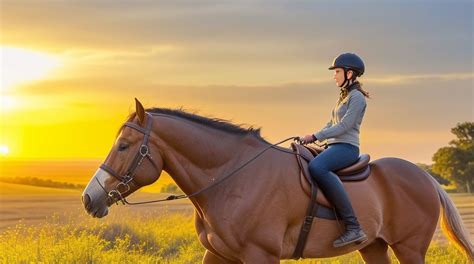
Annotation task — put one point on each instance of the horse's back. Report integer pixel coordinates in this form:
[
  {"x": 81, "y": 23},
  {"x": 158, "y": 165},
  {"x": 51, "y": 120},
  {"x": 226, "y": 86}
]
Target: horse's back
[{"x": 401, "y": 181}]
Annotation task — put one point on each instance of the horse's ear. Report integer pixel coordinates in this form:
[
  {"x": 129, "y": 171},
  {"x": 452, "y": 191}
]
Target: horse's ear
[{"x": 140, "y": 112}]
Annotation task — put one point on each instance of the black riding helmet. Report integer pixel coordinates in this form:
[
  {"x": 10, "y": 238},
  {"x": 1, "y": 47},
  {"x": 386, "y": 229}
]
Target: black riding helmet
[{"x": 349, "y": 61}]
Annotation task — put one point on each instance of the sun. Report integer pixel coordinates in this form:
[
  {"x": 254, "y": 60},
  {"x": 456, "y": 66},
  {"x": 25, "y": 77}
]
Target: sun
[
  {"x": 4, "y": 150},
  {"x": 21, "y": 65}
]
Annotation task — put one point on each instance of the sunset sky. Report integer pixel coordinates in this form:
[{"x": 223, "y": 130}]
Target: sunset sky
[{"x": 71, "y": 69}]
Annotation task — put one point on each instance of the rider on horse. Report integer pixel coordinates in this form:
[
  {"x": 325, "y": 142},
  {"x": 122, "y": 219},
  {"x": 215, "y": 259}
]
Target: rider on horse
[{"x": 342, "y": 134}]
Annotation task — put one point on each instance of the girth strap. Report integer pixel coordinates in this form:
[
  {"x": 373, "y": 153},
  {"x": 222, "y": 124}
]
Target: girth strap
[
  {"x": 310, "y": 212},
  {"x": 307, "y": 223}
]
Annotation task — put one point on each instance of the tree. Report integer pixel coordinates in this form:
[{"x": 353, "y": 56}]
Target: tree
[
  {"x": 170, "y": 188},
  {"x": 456, "y": 162},
  {"x": 436, "y": 176}
]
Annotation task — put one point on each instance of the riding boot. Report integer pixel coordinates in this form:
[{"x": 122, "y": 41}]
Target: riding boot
[{"x": 335, "y": 193}]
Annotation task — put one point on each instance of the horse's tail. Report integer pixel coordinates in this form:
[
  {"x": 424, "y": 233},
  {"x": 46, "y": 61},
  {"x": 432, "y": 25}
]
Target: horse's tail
[{"x": 452, "y": 225}]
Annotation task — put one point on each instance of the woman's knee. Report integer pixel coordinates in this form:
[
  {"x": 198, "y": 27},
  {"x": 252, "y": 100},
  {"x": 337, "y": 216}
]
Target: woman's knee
[{"x": 316, "y": 168}]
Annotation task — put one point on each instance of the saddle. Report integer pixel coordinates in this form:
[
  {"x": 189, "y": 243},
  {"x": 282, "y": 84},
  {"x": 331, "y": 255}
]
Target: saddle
[{"x": 357, "y": 171}]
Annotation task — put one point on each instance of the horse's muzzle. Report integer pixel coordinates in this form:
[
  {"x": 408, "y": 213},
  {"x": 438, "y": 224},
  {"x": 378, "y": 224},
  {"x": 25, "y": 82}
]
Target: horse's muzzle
[{"x": 94, "y": 197}]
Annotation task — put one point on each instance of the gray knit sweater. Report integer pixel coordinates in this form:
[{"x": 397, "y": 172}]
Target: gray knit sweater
[{"x": 346, "y": 119}]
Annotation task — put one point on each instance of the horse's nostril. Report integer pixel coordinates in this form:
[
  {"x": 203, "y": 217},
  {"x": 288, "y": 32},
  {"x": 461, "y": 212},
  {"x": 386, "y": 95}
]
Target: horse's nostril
[{"x": 86, "y": 199}]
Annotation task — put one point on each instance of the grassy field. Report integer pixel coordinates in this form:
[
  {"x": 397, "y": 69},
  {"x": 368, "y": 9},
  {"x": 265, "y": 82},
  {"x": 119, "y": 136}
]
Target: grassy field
[
  {"x": 48, "y": 225},
  {"x": 33, "y": 205}
]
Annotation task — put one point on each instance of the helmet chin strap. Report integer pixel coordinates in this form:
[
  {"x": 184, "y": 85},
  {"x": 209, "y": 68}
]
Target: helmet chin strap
[{"x": 346, "y": 82}]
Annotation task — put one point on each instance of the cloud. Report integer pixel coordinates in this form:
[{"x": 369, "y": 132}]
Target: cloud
[
  {"x": 285, "y": 36},
  {"x": 413, "y": 78},
  {"x": 105, "y": 55}
]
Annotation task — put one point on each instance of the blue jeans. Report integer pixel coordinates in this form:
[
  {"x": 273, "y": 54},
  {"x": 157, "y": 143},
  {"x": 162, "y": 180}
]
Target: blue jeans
[{"x": 335, "y": 157}]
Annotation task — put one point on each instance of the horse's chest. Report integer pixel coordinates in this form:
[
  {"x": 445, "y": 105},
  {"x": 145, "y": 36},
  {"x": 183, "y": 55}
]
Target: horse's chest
[{"x": 212, "y": 240}]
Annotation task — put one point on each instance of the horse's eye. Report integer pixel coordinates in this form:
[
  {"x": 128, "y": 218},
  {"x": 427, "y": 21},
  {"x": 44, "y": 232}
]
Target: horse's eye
[{"x": 122, "y": 147}]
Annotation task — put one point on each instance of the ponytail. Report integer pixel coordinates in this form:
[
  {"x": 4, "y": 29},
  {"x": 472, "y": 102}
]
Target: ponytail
[
  {"x": 364, "y": 92},
  {"x": 344, "y": 92}
]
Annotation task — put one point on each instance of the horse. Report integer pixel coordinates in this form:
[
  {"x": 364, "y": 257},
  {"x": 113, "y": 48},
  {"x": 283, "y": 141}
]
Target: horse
[{"x": 255, "y": 216}]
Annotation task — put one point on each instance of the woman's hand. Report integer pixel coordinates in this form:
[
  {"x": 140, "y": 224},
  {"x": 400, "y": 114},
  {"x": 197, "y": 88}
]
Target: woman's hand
[{"x": 307, "y": 139}]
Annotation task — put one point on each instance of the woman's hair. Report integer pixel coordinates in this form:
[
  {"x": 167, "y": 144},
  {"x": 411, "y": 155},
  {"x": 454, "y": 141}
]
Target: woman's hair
[{"x": 343, "y": 93}]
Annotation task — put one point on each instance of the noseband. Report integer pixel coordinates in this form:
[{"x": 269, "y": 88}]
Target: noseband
[{"x": 128, "y": 179}]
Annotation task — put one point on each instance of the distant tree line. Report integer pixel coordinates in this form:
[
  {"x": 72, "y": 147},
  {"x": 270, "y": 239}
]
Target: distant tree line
[
  {"x": 170, "y": 188},
  {"x": 455, "y": 163},
  {"x": 41, "y": 182}
]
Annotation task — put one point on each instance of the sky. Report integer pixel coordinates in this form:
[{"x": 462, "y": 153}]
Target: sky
[{"x": 71, "y": 69}]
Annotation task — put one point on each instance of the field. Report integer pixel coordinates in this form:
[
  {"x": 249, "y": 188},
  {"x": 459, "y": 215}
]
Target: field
[
  {"x": 68, "y": 171},
  {"x": 49, "y": 225}
]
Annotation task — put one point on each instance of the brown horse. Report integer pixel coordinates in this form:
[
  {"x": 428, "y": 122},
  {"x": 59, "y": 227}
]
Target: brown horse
[{"x": 255, "y": 216}]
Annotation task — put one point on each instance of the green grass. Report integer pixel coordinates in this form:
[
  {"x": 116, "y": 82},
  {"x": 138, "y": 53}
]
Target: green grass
[{"x": 167, "y": 238}]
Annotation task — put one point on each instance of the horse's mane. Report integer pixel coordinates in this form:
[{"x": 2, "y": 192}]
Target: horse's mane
[{"x": 217, "y": 123}]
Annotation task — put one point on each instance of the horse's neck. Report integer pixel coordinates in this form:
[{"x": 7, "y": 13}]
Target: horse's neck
[{"x": 195, "y": 155}]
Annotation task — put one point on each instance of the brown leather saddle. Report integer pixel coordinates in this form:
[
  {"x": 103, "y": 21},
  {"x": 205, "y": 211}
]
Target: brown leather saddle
[{"x": 357, "y": 171}]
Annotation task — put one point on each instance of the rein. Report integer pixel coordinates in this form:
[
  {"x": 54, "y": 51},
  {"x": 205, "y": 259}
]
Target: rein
[
  {"x": 144, "y": 152},
  {"x": 182, "y": 196}
]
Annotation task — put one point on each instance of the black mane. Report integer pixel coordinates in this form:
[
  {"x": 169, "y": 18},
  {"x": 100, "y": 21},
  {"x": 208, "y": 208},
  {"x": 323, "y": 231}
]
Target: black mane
[{"x": 217, "y": 123}]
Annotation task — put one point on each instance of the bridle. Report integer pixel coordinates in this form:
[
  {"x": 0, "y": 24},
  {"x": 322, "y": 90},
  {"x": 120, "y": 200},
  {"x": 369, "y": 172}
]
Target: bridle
[
  {"x": 128, "y": 179},
  {"x": 144, "y": 152}
]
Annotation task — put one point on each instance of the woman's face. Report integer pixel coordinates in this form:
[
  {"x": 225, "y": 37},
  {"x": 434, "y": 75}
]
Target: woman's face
[{"x": 339, "y": 76}]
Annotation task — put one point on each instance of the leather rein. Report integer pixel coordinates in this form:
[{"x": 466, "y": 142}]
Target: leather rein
[{"x": 125, "y": 181}]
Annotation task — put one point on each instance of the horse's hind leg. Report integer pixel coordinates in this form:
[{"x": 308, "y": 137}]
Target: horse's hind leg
[
  {"x": 376, "y": 252},
  {"x": 412, "y": 250}
]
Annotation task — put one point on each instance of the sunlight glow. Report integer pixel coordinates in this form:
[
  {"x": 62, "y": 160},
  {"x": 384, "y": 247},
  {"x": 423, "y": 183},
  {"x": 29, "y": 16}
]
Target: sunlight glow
[
  {"x": 7, "y": 102},
  {"x": 21, "y": 65},
  {"x": 4, "y": 150}
]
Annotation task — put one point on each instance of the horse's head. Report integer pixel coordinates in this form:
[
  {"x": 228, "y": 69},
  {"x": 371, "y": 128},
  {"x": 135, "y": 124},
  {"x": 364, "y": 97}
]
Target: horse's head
[{"x": 132, "y": 163}]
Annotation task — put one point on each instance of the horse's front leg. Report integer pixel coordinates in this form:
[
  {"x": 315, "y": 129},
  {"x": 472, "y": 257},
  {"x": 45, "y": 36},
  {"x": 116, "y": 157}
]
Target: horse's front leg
[
  {"x": 254, "y": 254},
  {"x": 211, "y": 258}
]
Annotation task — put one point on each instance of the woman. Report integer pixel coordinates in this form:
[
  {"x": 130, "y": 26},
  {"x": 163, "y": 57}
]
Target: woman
[{"x": 342, "y": 134}]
